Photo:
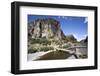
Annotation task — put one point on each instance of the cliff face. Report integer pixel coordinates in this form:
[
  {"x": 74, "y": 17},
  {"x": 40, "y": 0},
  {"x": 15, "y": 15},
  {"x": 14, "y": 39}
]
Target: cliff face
[
  {"x": 84, "y": 42},
  {"x": 45, "y": 28}
]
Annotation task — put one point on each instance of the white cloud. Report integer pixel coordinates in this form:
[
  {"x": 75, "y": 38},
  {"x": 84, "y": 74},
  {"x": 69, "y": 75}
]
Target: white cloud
[
  {"x": 79, "y": 38},
  {"x": 85, "y": 36},
  {"x": 82, "y": 37}
]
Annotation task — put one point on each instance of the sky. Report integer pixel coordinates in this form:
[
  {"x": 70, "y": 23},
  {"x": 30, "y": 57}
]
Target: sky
[{"x": 70, "y": 25}]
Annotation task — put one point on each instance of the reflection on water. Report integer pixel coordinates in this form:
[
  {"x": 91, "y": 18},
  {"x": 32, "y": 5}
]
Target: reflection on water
[
  {"x": 55, "y": 55},
  {"x": 71, "y": 53},
  {"x": 59, "y": 54}
]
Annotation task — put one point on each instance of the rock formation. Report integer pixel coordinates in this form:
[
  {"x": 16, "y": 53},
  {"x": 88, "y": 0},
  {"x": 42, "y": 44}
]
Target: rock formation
[{"x": 45, "y": 28}]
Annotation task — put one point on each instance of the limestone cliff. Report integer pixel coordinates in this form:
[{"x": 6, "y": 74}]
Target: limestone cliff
[{"x": 45, "y": 28}]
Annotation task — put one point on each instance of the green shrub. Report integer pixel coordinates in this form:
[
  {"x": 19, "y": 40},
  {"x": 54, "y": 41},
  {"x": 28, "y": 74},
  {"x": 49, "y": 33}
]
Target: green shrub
[
  {"x": 65, "y": 46},
  {"x": 40, "y": 41},
  {"x": 46, "y": 48},
  {"x": 32, "y": 50}
]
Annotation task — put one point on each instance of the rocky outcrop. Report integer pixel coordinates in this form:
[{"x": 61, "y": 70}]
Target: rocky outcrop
[
  {"x": 84, "y": 42},
  {"x": 45, "y": 28}
]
